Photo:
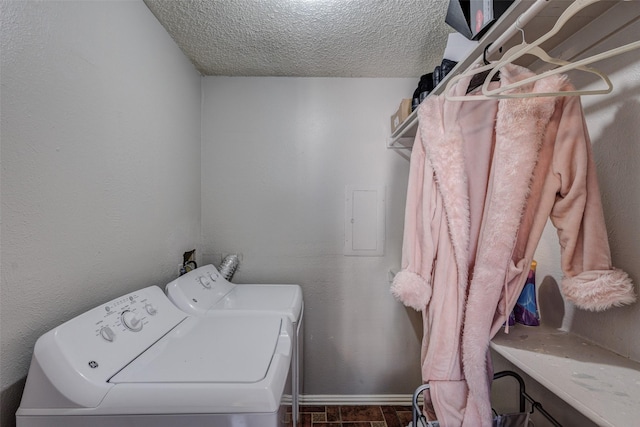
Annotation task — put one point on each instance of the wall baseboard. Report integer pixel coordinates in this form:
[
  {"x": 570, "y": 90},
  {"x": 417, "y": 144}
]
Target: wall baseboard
[{"x": 356, "y": 399}]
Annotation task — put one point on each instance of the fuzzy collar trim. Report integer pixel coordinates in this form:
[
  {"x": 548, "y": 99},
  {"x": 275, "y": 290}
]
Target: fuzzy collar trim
[{"x": 520, "y": 130}]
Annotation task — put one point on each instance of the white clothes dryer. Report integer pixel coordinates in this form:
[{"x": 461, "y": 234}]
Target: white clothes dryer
[
  {"x": 205, "y": 292},
  {"x": 139, "y": 361}
]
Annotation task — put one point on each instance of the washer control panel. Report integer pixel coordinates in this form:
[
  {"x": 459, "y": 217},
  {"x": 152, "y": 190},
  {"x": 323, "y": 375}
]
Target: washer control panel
[
  {"x": 127, "y": 314},
  {"x": 97, "y": 344}
]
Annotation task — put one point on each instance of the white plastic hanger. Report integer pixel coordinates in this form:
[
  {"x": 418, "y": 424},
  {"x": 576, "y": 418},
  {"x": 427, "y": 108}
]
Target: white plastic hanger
[
  {"x": 534, "y": 49},
  {"x": 499, "y": 92},
  {"x": 535, "y": 8},
  {"x": 494, "y": 67}
]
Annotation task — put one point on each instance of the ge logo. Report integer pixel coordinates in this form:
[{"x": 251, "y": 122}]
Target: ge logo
[{"x": 93, "y": 364}]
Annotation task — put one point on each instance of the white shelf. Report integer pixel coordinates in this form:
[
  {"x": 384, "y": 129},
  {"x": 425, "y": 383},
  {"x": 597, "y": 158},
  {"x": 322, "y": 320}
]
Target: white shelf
[
  {"x": 403, "y": 136},
  {"x": 541, "y": 23},
  {"x": 600, "y": 384}
]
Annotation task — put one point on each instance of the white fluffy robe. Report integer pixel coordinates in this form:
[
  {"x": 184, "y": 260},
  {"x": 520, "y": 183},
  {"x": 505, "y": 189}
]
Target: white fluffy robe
[{"x": 466, "y": 255}]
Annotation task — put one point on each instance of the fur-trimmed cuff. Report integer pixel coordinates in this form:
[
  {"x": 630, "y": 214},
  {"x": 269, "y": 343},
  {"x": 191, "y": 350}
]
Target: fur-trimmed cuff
[
  {"x": 598, "y": 290},
  {"x": 411, "y": 289}
]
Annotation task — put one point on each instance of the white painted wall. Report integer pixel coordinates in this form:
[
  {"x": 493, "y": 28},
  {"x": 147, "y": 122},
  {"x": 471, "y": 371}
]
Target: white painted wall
[
  {"x": 100, "y": 122},
  {"x": 277, "y": 154},
  {"x": 102, "y": 189}
]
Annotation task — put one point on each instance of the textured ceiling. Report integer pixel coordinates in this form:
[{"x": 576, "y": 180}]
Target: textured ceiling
[{"x": 307, "y": 38}]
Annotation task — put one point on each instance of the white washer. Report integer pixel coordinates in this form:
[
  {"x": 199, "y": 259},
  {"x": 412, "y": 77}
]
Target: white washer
[
  {"x": 205, "y": 292},
  {"x": 139, "y": 361}
]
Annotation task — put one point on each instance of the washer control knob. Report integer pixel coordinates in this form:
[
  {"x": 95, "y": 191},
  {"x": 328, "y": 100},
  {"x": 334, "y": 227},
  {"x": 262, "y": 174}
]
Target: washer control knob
[
  {"x": 107, "y": 333},
  {"x": 150, "y": 309},
  {"x": 204, "y": 282},
  {"x": 131, "y": 321}
]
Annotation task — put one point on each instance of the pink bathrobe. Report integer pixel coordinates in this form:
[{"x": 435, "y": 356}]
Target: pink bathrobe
[{"x": 484, "y": 178}]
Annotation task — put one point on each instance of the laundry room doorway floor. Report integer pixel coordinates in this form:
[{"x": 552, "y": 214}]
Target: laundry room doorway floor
[{"x": 354, "y": 416}]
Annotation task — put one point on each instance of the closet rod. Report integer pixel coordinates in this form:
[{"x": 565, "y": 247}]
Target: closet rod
[
  {"x": 510, "y": 32},
  {"x": 515, "y": 28}
]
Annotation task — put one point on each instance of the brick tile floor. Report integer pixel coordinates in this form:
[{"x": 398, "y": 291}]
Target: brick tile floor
[{"x": 354, "y": 416}]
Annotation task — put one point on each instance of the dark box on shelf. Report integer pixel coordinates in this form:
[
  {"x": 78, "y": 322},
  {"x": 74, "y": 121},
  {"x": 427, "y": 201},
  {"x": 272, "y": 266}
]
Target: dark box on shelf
[{"x": 472, "y": 18}]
